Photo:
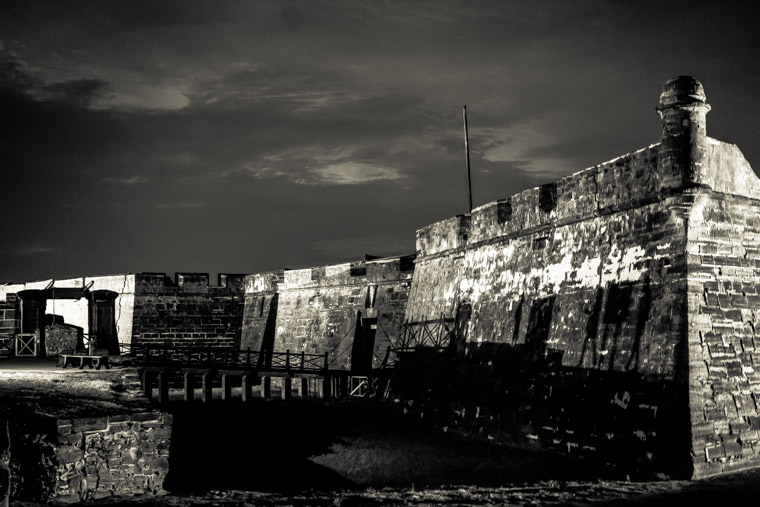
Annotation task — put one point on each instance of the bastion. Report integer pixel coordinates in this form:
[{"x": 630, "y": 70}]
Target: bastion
[
  {"x": 353, "y": 311},
  {"x": 612, "y": 313}
]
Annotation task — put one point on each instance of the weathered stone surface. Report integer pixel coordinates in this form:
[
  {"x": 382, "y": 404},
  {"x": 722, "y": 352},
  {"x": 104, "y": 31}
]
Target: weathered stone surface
[
  {"x": 114, "y": 457},
  {"x": 330, "y": 309},
  {"x": 62, "y": 339},
  {"x": 49, "y": 465},
  {"x": 188, "y": 310},
  {"x": 607, "y": 313}
]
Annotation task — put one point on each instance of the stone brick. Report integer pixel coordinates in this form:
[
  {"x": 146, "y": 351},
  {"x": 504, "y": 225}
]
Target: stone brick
[
  {"x": 89, "y": 424},
  {"x": 69, "y": 454}
]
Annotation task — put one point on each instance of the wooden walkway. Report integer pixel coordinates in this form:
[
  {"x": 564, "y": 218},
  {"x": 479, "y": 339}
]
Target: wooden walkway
[{"x": 166, "y": 365}]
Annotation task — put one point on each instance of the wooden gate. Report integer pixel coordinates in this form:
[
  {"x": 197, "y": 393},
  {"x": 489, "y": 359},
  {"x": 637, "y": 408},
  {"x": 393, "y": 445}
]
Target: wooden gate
[{"x": 26, "y": 345}]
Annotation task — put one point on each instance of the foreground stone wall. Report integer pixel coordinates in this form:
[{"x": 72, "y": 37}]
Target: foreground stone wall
[
  {"x": 188, "y": 309},
  {"x": 70, "y": 460},
  {"x": 114, "y": 455}
]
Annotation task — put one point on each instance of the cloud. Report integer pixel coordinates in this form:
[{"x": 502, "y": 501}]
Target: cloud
[
  {"x": 14, "y": 74},
  {"x": 28, "y": 249},
  {"x": 140, "y": 96},
  {"x": 319, "y": 166},
  {"x": 181, "y": 205},
  {"x": 353, "y": 173},
  {"x": 78, "y": 91},
  {"x": 134, "y": 180},
  {"x": 37, "y": 250},
  {"x": 225, "y": 111}
]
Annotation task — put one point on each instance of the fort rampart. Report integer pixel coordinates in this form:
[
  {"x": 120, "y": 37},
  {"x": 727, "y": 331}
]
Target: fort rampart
[
  {"x": 352, "y": 311},
  {"x": 609, "y": 313},
  {"x": 146, "y": 307},
  {"x": 613, "y": 313}
]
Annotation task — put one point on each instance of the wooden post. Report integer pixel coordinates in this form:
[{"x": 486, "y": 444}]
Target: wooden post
[
  {"x": 327, "y": 387},
  {"x": 163, "y": 387},
  {"x": 208, "y": 393},
  {"x": 387, "y": 355},
  {"x": 248, "y": 358},
  {"x": 226, "y": 388},
  {"x": 147, "y": 384},
  {"x": 246, "y": 388},
  {"x": 189, "y": 387},
  {"x": 267, "y": 387},
  {"x": 287, "y": 388},
  {"x": 287, "y": 359},
  {"x": 303, "y": 359},
  {"x": 304, "y": 387}
]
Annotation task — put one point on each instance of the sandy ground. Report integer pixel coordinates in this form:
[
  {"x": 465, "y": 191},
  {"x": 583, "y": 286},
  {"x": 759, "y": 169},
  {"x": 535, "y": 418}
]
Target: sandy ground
[
  {"x": 354, "y": 458},
  {"x": 40, "y": 385}
]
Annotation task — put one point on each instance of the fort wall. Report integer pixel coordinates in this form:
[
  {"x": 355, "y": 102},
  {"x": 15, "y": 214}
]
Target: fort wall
[
  {"x": 561, "y": 281},
  {"x": 723, "y": 252},
  {"x": 260, "y": 312},
  {"x": 607, "y": 313},
  {"x": 188, "y": 309},
  {"x": 149, "y": 307},
  {"x": 336, "y": 309},
  {"x": 612, "y": 313},
  {"x": 74, "y": 311},
  {"x": 9, "y": 322}
]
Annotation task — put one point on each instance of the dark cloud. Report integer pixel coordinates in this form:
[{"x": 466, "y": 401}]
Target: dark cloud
[
  {"x": 79, "y": 92},
  {"x": 13, "y": 75},
  {"x": 145, "y": 135}
]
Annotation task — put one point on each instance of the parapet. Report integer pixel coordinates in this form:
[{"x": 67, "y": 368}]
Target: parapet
[
  {"x": 685, "y": 159},
  {"x": 264, "y": 282},
  {"x": 614, "y": 185},
  {"x": 188, "y": 283},
  {"x": 373, "y": 271}
]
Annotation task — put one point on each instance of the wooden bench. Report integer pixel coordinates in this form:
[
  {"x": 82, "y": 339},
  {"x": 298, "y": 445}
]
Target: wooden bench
[{"x": 90, "y": 361}]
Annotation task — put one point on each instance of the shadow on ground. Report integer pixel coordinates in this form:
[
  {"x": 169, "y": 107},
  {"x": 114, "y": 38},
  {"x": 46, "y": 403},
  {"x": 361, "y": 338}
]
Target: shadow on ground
[{"x": 297, "y": 446}]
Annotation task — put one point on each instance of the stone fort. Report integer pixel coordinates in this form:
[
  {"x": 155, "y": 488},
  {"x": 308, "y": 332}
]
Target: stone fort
[{"x": 610, "y": 314}]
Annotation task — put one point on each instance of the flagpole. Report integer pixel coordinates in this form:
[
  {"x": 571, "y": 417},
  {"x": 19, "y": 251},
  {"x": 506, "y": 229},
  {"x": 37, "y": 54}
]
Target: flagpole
[{"x": 467, "y": 153}]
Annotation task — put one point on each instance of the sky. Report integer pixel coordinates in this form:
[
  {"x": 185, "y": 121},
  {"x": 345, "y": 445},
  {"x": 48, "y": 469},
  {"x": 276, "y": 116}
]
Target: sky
[{"x": 243, "y": 137}]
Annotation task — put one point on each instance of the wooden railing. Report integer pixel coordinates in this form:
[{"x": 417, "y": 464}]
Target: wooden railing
[
  {"x": 205, "y": 356},
  {"x": 435, "y": 333}
]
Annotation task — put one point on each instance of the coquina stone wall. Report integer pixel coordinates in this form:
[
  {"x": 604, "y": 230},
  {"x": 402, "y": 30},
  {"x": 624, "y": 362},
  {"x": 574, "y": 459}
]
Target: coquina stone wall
[
  {"x": 188, "y": 310},
  {"x": 611, "y": 313},
  {"x": 75, "y": 311},
  {"x": 260, "y": 311},
  {"x": 149, "y": 307},
  {"x": 353, "y": 311},
  {"x": 724, "y": 316},
  {"x": 70, "y": 460},
  {"x": 9, "y": 325}
]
